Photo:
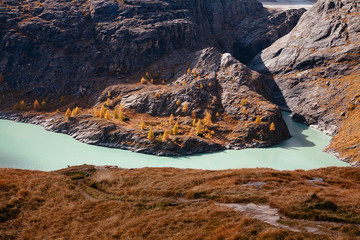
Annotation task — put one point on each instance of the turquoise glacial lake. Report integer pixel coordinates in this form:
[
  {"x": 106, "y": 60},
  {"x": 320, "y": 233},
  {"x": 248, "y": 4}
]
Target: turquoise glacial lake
[{"x": 27, "y": 146}]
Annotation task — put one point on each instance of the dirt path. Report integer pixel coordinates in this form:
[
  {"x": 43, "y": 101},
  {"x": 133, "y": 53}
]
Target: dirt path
[{"x": 271, "y": 216}]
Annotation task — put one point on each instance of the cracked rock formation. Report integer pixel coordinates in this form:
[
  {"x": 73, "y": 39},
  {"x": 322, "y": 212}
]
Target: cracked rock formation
[{"x": 315, "y": 71}]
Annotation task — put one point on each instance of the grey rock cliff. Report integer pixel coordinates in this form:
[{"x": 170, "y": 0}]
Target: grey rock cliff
[
  {"x": 310, "y": 62},
  {"x": 61, "y": 47}
]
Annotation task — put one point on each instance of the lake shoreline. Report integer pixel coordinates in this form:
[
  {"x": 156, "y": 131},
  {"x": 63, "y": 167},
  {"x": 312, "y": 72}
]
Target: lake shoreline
[
  {"x": 230, "y": 159},
  {"x": 98, "y": 133}
]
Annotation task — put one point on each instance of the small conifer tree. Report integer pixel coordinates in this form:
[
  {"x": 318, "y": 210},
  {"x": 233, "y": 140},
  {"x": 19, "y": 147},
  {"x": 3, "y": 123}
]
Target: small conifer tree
[
  {"x": 107, "y": 115},
  {"x": 191, "y": 132},
  {"x": 166, "y": 135},
  {"x": 185, "y": 107},
  {"x": 143, "y": 80},
  {"x": 121, "y": 116},
  {"x": 194, "y": 72},
  {"x": 102, "y": 112},
  {"x": 22, "y": 105},
  {"x": 198, "y": 127},
  {"x": 142, "y": 124},
  {"x": 194, "y": 122},
  {"x": 207, "y": 119},
  {"x": 243, "y": 102},
  {"x": 178, "y": 102},
  {"x": 201, "y": 86},
  {"x": 36, "y": 105},
  {"x": 171, "y": 119},
  {"x": 152, "y": 80},
  {"x": 160, "y": 138},
  {"x": 176, "y": 129},
  {"x": 257, "y": 120},
  {"x": 43, "y": 104},
  {"x": 108, "y": 102},
  {"x": 68, "y": 113},
  {"x": 109, "y": 94},
  {"x": 151, "y": 135},
  {"x": 272, "y": 127},
  {"x": 115, "y": 114},
  {"x": 188, "y": 71},
  {"x": 77, "y": 111}
]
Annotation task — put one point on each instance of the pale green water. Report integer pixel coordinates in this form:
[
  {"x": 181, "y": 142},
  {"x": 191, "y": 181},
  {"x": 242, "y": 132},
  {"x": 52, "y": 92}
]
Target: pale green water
[{"x": 29, "y": 146}]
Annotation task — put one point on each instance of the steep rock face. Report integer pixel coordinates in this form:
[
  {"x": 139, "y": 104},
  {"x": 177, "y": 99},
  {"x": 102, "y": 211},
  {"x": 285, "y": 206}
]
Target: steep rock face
[
  {"x": 316, "y": 67},
  {"x": 56, "y": 47}
]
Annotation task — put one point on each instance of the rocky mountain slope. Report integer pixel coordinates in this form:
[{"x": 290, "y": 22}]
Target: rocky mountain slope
[
  {"x": 149, "y": 60},
  {"x": 316, "y": 72},
  {"x": 51, "y": 46}
]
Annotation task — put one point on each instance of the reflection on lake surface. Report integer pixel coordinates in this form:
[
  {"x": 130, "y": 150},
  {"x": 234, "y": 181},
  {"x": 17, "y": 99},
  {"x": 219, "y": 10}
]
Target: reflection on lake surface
[{"x": 29, "y": 146}]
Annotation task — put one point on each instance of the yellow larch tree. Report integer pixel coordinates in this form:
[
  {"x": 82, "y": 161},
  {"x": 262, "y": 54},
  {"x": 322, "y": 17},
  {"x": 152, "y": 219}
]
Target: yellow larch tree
[
  {"x": 258, "y": 120},
  {"x": 191, "y": 133},
  {"x": 175, "y": 130},
  {"x": 185, "y": 107},
  {"x": 198, "y": 127},
  {"x": 166, "y": 135},
  {"x": 115, "y": 114},
  {"x": 151, "y": 135},
  {"x": 243, "y": 102},
  {"x": 178, "y": 102},
  {"x": 107, "y": 115},
  {"x": 36, "y": 105},
  {"x": 43, "y": 104},
  {"x": 108, "y": 103},
  {"x": 207, "y": 119},
  {"x": 272, "y": 127},
  {"x": 194, "y": 72},
  {"x": 142, "y": 124},
  {"x": 160, "y": 138},
  {"x": 171, "y": 119},
  {"x": 121, "y": 115},
  {"x": 22, "y": 105},
  {"x": 68, "y": 113}
]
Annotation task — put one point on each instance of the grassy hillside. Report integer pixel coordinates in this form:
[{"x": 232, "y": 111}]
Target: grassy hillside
[{"x": 88, "y": 202}]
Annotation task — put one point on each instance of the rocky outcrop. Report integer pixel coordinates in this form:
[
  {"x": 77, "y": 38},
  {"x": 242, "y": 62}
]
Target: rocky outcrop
[{"x": 316, "y": 66}]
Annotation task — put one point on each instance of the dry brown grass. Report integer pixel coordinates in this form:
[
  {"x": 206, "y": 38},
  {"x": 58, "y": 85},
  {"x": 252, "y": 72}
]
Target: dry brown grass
[{"x": 81, "y": 203}]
